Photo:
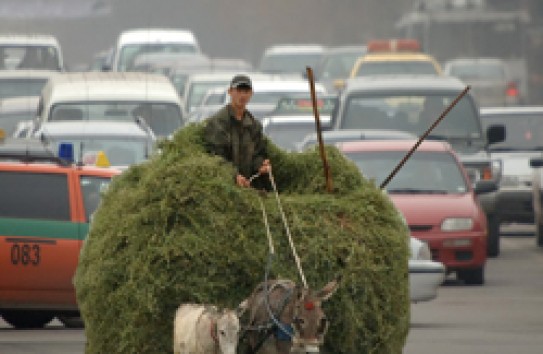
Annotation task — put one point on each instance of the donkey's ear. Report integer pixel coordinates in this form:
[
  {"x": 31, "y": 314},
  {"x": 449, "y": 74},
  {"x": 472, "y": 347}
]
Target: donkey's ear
[{"x": 329, "y": 289}]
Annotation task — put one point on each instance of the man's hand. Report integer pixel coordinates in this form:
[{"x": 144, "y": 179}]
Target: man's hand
[
  {"x": 242, "y": 181},
  {"x": 265, "y": 168}
]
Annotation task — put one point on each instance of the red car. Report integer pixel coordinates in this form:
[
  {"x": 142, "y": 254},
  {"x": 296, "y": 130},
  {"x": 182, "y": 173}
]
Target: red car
[{"x": 434, "y": 194}]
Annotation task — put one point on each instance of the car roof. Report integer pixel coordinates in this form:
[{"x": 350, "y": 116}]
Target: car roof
[
  {"x": 28, "y": 39},
  {"x": 293, "y": 119},
  {"x": 346, "y": 49},
  {"x": 27, "y": 74},
  {"x": 159, "y": 35},
  {"x": 19, "y": 104},
  {"x": 511, "y": 110},
  {"x": 396, "y": 56},
  {"x": 284, "y": 86},
  {"x": 404, "y": 83},
  {"x": 471, "y": 61},
  {"x": 109, "y": 86},
  {"x": 294, "y": 49},
  {"x": 393, "y": 145},
  {"x": 94, "y": 128}
]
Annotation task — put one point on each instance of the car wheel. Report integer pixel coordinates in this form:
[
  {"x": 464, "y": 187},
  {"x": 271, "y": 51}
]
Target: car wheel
[
  {"x": 71, "y": 321},
  {"x": 539, "y": 235},
  {"x": 27, "y": 319},
  {"x": 472, "y": 276},
  {"x": 493, "y": 240}
]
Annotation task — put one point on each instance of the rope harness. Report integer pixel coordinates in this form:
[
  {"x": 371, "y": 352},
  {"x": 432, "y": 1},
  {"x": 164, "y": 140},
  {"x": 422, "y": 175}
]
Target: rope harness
[{"x": 284, "y": 331}]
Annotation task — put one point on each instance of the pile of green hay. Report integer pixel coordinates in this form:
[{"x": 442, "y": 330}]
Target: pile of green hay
[{"x": 176, "y": 229}]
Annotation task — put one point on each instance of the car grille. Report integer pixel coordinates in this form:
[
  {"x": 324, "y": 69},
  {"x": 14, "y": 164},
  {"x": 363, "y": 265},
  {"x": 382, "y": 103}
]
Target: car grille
[{"x": 420, "y": 228}]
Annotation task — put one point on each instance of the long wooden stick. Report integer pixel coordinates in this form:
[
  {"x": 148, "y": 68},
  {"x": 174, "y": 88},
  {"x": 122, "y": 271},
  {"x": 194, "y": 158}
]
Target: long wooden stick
[
  {"x": 421, "y": 139},
  {"x": 325, "y": 165}
]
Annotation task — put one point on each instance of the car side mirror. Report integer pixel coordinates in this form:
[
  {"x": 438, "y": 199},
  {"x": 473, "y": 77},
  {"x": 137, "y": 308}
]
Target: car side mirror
[
  {"x": 536, "y": 162},
  {"x": 495, "y": 134},
  {"x": 485, "y": 186}
]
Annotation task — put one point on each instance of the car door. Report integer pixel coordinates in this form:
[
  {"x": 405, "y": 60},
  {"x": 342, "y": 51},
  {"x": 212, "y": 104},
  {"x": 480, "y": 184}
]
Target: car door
[{"x": 39, "y": 242}]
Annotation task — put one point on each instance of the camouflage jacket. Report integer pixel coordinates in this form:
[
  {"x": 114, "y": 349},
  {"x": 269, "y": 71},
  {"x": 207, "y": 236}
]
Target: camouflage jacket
[{"x": 240, "y": 142}]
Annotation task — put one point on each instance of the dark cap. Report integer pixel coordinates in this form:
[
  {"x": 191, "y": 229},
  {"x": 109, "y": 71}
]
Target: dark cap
[{"x": 241, "y": 81}]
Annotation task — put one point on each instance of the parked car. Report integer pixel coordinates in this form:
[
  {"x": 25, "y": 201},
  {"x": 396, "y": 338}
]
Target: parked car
[
  {"x": 395, "y": 57},
  {"x": 524, "y": 141},
  {"x": 537, "y": 197},
  {"x": 134, "y": 42},
  {"x": 488, "y": 78},
  {"x": 336, "y": 65},
  {"x": 45, "y": 210},
  {"x": 123, "y": 143},
  {"x": 433, "y": 192},
  {"x": 413, "y": 104},
  {"x": 112, "y": 96},
  {"x": 290, "y": 58}
]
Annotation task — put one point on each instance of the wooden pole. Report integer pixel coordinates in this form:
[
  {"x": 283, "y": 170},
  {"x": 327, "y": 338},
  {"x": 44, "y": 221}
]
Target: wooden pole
[
  {"x": 325, "y": 165},
  {"x": 408, "y": 155}
]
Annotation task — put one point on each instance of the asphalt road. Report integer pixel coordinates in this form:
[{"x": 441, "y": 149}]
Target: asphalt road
[{"x": 502, "y": 317}]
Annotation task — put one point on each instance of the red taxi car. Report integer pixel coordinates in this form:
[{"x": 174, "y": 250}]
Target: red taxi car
[{"x": 434, "y": 194}]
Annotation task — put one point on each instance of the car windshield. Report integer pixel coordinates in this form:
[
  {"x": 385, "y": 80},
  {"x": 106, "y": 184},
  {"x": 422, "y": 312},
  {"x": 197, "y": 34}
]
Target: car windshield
[
  {"x": 163, "y": 118},
  {"x": 29, "y": 57},
  {"x": 120, "y": 151},
  {"x": 413, "y": 113},
  {"x": 289, "y": 63},
  {"x": 273, "y": 97},
  {"x": 489, "y": 71},
  {"x": 130, "y": 52},
  {"x": 198, "y": 90},
  {"x": 338, "y": 66},
  {"x": 424, "y": 172},
  {"x": 288, "y": 135},
  {"x": 396, "y": 68},
  {"x": 21, "y": 87},
  {"x": 524, "y": 130}
]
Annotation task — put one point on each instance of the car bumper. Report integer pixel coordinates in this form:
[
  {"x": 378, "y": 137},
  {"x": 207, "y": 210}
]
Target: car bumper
[
  {"x": 425, "y": 277},
  {"x": 457, "y": 251}
]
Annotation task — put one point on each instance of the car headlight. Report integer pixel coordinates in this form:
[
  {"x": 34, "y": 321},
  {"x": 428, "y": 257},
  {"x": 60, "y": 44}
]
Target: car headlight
[
  {"x": 424, "y": 253},
  {"x": 457, "y": 224},
  {"x": 496, "y": 168}
]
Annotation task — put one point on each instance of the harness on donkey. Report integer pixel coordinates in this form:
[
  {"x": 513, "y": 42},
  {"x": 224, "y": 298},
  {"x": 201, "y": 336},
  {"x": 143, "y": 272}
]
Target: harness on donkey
[{"x": 281, "y": 331}]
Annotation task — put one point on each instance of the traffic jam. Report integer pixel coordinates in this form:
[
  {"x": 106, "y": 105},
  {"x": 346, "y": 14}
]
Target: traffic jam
[{"x": 406, "y": 155}]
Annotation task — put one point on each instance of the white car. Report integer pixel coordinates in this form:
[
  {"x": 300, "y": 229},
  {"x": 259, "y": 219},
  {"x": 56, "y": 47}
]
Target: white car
[
  {"x": 123, "y": 143},
  {"x": 134, "y": 42},
  {"x": 112, "y": 96},
  {"x": 425, "y": 275},
  {"x": 30, "y": 51},
  {"x": 291, "y": 58}
]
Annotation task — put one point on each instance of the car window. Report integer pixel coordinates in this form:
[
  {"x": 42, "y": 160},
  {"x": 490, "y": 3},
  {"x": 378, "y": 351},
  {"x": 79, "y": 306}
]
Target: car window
[
  {"x": 29, "y": 57},
  {"x": 288, "y": 135},
  {"x": 130, "y": 52},
  {"x": 92, "y": 188},
  {"x": 198, "y": 90},
  {"x": 472, "y": 71},
  {"x": 34, "y": 196},
  {"x": 163, "y": 118},
  {"x": 338, "y": 66},
  {"x": 433, "y": 172},
  {"x": 396, "y": 68},
  {"x": 412, "y": 113}
]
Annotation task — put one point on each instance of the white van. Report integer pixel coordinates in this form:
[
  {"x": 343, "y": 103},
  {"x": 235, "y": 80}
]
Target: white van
[
  {"x": 113, "y": 97},
  {"x": 30, "y": 51},
  {"x": 132, "y": 43}
]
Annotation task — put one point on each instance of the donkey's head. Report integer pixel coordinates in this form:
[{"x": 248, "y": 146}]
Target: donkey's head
[
  {"x": 309, "y": 321},
  {"x": 227, "y": 331}
]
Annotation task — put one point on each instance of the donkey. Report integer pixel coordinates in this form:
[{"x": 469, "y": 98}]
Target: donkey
[{"x": 298, "y": 324}]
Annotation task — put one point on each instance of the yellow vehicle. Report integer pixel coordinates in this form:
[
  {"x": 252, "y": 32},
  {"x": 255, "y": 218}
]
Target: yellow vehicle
[{"x": 395, "y": 57}]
